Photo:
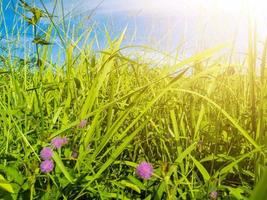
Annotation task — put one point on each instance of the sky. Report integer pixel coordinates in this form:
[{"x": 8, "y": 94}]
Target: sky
[{"x": 163, "y": 24}]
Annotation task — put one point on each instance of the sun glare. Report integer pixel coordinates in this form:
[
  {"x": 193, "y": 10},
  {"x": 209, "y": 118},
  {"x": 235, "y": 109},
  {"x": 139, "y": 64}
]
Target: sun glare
[
  {"x": 208, "y": 11},
  {"x": 254, "y": 8}
]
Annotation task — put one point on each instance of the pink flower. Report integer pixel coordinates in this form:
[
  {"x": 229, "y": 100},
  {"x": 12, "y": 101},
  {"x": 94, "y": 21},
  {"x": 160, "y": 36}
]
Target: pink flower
[
  {"x": 64, "y": 140},
  {"x": 214, "y": 195},
  {"x": 58, "y": 142},
  {"x": 144, "y": 170},
  {"x": 46, "y": 153},
  {"x": 74, "y": 154},
  {"x": 82, "y": 123},
  {"x": 47, "y": 166}
]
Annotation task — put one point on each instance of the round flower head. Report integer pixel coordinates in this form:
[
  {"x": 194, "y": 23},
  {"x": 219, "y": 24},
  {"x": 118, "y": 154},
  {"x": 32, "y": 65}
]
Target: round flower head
[
  {"x": 46, "y": 153},
  {"x": 144, "y": 170},
  {"x": 47, "y": 166},
  {"x": 64, "y": 140},
  {"x": 74, "y": 154},
  {"x": 214, "y": 195},
  {"x": 82, "y": 123},
  {"x": 58, "y": 142}
]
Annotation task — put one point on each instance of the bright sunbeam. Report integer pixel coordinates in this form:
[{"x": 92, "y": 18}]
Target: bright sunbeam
[
  {"x": 254, "y": 8},
  {"x": 237, "y": 11}
]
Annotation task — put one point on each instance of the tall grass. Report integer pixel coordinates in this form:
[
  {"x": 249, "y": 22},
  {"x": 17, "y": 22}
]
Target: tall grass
[{"x": 202, "y": 131}]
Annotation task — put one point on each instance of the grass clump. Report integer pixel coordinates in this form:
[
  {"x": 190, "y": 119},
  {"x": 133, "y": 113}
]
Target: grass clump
[{"x": 199, "y": 123}]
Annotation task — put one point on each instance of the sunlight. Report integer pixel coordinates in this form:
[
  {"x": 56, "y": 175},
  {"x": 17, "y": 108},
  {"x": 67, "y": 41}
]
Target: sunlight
[
  {"x": 210, "y": 12},
  {"x": 255, "y": 8},
  {"x": 133, "y": 99}
]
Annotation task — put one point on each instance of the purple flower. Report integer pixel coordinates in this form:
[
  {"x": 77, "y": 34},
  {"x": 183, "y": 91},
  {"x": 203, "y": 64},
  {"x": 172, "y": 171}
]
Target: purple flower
[
  {"x": 144, "y": 170},
  {"x": 58, "y": 142},
  {"x": 47, "y": 166},
  {"x": 46, "y": 153},
  {"x": 74, "y": 154},
  {"x": 82, "y": 123},
  {"x": 213, "y": 195},
  {"x": 64, "y": 140}
]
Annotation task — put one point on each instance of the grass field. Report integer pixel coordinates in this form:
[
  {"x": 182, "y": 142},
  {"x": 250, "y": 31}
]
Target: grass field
[{"x": 200, "y": 122}]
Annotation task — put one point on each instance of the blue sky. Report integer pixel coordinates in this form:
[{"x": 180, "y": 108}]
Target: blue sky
[{"x": 163, "y": 24}]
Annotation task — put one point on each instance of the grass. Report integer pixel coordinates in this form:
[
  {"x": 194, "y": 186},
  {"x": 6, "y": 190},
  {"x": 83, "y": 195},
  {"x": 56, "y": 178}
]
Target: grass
[{"x": 200, "y": 122}]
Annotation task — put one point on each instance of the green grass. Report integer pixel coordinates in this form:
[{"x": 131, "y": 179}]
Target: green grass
[{"x": 202, "y": 132}]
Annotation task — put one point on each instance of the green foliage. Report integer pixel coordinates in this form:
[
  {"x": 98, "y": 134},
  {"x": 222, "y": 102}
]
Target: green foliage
[
  {"x": 193, "y": 120},
  {"x": 260, "y": 191}
]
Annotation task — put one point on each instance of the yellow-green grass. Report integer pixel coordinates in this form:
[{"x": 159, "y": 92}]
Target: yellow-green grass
[{"x": 200, "y": 122}]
